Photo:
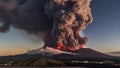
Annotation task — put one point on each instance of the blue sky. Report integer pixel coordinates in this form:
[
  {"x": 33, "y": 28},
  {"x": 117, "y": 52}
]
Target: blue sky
[{"x": 103, "y": 33}]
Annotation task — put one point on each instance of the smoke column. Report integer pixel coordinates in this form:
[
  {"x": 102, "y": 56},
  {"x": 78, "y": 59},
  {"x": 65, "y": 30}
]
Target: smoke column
[
  {"x": 60, "y": 20},
  {"x": 69, "y": 18}
]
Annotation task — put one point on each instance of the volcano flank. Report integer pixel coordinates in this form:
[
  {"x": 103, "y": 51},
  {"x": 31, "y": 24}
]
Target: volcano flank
[{"x": 75, "y": 54}]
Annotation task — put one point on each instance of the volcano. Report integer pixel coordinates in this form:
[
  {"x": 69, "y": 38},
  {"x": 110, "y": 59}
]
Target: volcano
[
  {"x": 75, "y": 58},
  {"x": 85, "y": 53},
  {"x": 82, "y": 53}
]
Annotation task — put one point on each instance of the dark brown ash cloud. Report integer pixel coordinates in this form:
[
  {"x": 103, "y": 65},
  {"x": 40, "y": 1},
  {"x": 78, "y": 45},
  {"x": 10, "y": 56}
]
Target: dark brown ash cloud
[
  {"x": 69, "y": 18},
  {"x": 28, "y": 16},
  {"x": 64, "y": 18}
]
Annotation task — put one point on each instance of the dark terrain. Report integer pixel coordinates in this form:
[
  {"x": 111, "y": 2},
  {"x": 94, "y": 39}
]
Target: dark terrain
[{"x": 85, "y": 58}]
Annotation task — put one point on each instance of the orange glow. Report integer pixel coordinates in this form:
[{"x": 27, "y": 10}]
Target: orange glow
[
  {"x": 83, "y": 46},
  {"x": 60, "y": 46},
  {"x": 63, "y": 47}
]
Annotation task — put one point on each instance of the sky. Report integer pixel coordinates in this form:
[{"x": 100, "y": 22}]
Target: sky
[{"x": 103, "y": 33}]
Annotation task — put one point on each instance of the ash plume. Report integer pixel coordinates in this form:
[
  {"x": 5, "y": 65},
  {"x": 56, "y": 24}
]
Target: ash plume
[
  {"x": 61, "y": 20},
  {"x": 27, "y": 15},
  {"x": 69, "y": 18}
]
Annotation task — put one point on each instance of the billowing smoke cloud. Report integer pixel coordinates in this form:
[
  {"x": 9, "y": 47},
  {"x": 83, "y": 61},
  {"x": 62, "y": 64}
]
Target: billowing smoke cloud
[
  {"x": 69, "y": 18},
  {"x": 61, "y": 20},
  {"x": 26, "y": 15}
]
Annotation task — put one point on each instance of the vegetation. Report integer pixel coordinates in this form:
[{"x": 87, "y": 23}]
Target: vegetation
[{"x": 38, "y": 62}]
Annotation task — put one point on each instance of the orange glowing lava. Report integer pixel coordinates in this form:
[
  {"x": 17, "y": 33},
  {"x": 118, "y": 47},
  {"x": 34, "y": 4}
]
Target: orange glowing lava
[{"x": 61, "y": 46}]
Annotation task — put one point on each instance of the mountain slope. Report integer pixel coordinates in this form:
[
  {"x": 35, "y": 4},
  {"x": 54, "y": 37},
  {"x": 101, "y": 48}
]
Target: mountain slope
[
  {"x": 84, "y": 53},
  {"x": 48, "y": 52},
  {"x": 87, "y": 52}
]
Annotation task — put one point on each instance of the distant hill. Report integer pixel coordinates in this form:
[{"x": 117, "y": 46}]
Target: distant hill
[
  {"x": 117, "y": 53},
  {"x": 18, "y": 57}
]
